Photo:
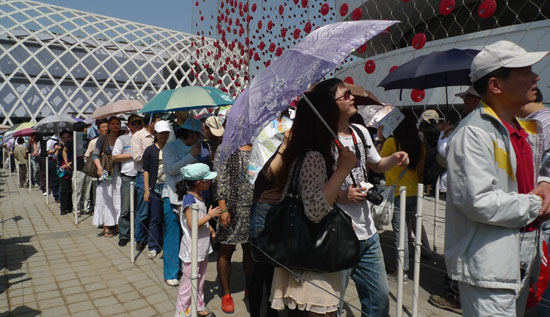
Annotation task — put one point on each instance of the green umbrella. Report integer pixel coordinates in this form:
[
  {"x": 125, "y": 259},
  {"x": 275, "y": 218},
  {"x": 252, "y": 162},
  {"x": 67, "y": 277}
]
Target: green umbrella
[{"x": 187, "y": 98}]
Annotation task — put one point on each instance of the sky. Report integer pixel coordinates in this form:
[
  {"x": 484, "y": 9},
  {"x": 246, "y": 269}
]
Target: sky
[{"x": 171, "y": 14}]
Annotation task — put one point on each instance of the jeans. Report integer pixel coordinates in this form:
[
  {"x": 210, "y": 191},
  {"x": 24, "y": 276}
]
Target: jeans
[
  {"x": 142, "y": 211},
  {"x": 370, "y": 279},
  {"x": 172, "y": 239},
  {"x": 54, "y": 180},
  {"x": 410, "y": 208},
  {"x": 124, "y": 220},
  {"x": 261, "y": 273},
  {"x": 35, "y": 172},
  {"x": 156, "y": 222}
]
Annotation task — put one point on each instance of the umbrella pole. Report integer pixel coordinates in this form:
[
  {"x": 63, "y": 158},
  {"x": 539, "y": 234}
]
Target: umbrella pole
[{"x": 319, "y": 116}]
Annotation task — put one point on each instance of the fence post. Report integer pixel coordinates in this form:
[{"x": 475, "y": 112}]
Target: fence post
[
  {"x": 74, "y": 177},
  {"x": 417, "y": 248},
  {"x": 47, "y": 180},
  {"x": 194, "y": 258},
  {"x": 436, "y": 206},
  {"x": 132, "y": 224},
  {"x": 402, "y": 246}
]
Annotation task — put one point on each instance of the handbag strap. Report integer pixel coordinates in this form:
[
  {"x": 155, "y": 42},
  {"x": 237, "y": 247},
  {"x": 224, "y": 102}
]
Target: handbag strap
[
  {"x": 401, "y": 176},
  {"x": 105, "y": 141},
  {"x": 293, "y": 189}
]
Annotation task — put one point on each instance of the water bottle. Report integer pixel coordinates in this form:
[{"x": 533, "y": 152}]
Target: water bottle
[{"x": 105, "y": 176}]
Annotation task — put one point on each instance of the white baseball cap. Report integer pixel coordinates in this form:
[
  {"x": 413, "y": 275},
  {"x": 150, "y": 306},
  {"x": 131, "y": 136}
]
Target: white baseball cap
[
  {"x": 162, "y": 126},
  {"x": 215, "y": 125},
  {"x": 469, "y": 91},
  {"x": 502, "y": 54}
]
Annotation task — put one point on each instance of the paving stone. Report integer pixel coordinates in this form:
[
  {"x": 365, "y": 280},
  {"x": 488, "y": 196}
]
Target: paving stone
[
  {"x": 100, "y": 293},
  {"x": 146, "y": 311},
  {"x": 105, "y": 301},
  {"x": 55, "y": 312},
  {"x": 74, "y": 298},
  {"x": 51, "y": 302},
  {"x": 129, "y": 296},
  {"x": 80, "y": 306},
  {"x": 134, "y": 304}
]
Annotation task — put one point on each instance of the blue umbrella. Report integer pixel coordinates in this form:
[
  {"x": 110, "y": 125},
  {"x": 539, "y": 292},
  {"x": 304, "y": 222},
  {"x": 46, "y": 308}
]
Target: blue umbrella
[
  {"x": 187, "y": 98},
  {"x": 437, "y": 69},
  {"x": 272, "y": 90}
]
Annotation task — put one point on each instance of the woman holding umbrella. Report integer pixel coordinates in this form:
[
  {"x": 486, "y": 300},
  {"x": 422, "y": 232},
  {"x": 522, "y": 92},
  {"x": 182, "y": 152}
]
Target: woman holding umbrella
[
  {"x": 107, "y": 204},
  {"x": 321, "y": 176}
]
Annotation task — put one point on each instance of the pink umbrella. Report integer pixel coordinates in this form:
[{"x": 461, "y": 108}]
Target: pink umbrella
[
  {"x": 24, "y": 132},
  {"x": 117, "y": 107}
]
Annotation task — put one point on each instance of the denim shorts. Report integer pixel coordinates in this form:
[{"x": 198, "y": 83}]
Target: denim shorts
[{"x": 258, "y": 213}]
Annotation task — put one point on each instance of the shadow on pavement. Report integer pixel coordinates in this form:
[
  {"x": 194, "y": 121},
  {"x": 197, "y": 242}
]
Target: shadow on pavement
[
  {"x": 15, "y": 252},
  {"x": 6, "y": 281},
  {"x": 21, "y": 311}
]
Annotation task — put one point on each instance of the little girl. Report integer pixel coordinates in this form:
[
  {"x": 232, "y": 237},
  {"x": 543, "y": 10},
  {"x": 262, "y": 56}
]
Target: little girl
[{"x": 196, "y": 178}]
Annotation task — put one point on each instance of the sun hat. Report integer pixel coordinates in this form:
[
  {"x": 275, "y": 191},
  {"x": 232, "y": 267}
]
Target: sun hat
[
  {"x": 197, "y": 172},
  {"x": 215, "y": 125},
  {"x": 429, "y": 115},
  {"x": 162, "y": 126},
  {"x": 469, "y": 91},
  {"x": 502, "y": 54},
  {"x": 193, "y": 124}
]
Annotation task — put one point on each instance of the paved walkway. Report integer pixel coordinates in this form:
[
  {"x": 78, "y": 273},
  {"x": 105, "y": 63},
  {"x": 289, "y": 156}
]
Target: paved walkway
[{"x": 52, "y": 267}]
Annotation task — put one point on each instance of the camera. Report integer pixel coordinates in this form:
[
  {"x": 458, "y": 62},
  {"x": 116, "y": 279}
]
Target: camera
[{"x": 372, "y": 193}]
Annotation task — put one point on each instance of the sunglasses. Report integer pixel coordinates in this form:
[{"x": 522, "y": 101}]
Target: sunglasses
[
  {"x": 136, "y": 122},
  {"x": 345, "y": 96}
]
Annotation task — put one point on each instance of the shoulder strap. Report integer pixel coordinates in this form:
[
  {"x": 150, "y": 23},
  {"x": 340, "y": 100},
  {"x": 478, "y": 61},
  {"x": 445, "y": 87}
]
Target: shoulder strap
[{"x": 361, "y": 136}]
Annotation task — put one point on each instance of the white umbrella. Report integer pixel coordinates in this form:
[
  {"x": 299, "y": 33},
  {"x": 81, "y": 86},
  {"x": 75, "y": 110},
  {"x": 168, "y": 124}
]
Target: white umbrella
[{"x": 117, "y": 107}]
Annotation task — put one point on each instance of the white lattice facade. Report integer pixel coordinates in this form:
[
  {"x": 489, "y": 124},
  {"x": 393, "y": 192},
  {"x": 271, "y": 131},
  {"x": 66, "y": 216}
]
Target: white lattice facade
[{"x": 56, "y": 60}]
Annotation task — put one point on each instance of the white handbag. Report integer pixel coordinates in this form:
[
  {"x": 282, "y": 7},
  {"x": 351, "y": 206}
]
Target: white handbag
[{"x": 382, "y": 214}]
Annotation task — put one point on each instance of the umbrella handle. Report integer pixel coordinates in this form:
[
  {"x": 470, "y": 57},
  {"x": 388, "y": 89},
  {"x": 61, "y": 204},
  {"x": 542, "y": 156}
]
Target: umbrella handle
[{"x": 323, "y": 121}]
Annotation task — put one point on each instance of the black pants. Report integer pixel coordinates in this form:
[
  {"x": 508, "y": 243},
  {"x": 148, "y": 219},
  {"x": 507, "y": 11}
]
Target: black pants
[
  {"x": 65, "y": 193},
  {"x": 261, "y": 274},
  {"x": 42, "y": 163}
]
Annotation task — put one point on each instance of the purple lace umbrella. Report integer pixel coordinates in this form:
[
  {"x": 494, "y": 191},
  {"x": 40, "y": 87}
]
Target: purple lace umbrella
[{"x": 272, "y": 90}]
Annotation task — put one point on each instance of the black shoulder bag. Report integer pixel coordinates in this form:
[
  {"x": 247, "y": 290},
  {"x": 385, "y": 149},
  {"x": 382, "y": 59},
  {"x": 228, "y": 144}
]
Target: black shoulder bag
[{"x": 291, "y": 239}]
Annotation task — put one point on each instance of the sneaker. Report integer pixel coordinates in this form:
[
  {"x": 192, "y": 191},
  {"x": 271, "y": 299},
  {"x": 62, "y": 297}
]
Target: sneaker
[
  {"x": 44, "y": 194},
  {"x": 227, "y": 304},
  {"x": 173, "y": 282},
  {"x": 152, "y": 254},
  {"x": 393, "y": 277},
  {"x": 140, "y": 246},
  {"x": 447, "y": 303},
  {"x": 122, "y": 242}
]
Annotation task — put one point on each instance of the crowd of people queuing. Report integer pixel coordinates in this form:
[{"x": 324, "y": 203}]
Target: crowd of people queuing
[{"x": 494, "y": 174}]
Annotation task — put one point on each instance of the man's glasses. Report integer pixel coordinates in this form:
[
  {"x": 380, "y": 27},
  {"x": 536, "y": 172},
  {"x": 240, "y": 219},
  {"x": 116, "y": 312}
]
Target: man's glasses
[
  {"x": 136, "y": 122},
  {"x": 345, "y": 96}
]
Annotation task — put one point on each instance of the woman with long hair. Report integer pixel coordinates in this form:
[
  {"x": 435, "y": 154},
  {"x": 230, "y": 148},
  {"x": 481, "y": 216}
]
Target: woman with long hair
[
  {"x": 405, "y": 138},
  {"x": 107, "y": 204},
  {"x": 320, "y": 178}
]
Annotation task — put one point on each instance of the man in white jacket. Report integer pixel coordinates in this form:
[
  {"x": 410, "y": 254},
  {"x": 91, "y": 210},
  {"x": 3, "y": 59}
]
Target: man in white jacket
[{"x": 496, "y": 199}]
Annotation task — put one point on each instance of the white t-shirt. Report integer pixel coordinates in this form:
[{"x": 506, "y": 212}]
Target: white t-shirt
[
  {"x": 51, "y": 143},
  {"x": 361, "y": 217},
  {"x": 204, "y": 247},
  {"x": 123, "y": 145}
]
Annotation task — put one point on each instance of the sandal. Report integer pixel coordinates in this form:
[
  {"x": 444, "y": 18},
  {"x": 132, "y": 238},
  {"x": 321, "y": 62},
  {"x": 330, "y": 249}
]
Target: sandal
[{"x": 108, "y": 234}]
